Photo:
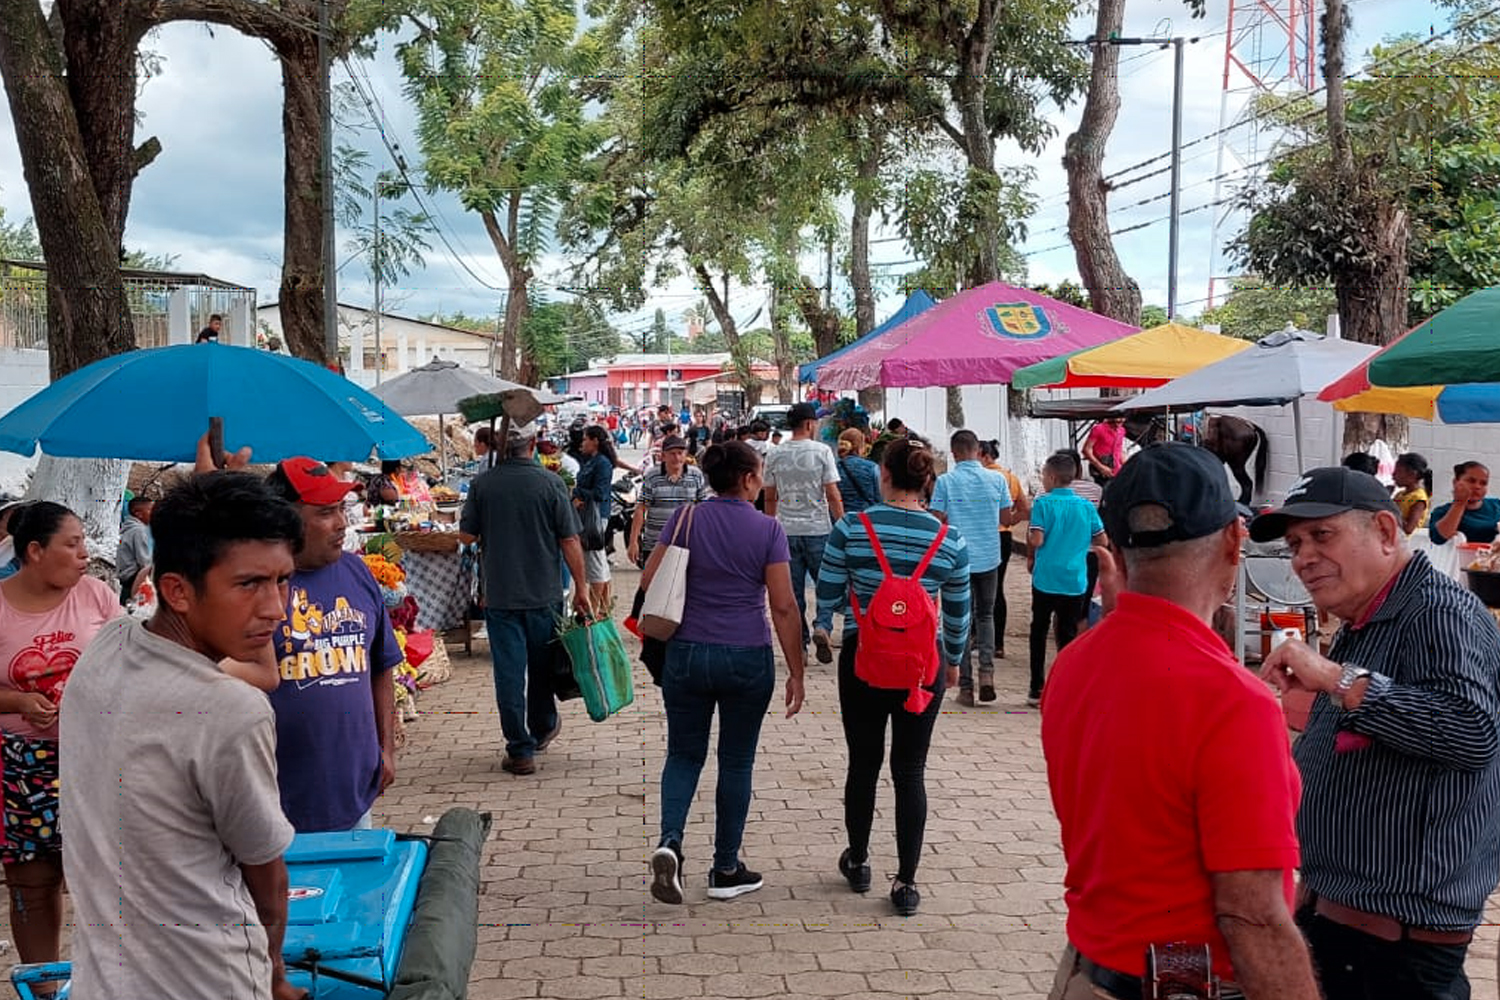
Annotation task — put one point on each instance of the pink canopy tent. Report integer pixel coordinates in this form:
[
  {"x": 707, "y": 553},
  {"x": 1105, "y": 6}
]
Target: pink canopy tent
[{"x": 977, "y": 337}]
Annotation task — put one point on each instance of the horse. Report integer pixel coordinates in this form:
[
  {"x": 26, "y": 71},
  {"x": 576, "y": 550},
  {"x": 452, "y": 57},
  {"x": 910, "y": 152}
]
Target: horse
[{"x": 1233, "y": 439}]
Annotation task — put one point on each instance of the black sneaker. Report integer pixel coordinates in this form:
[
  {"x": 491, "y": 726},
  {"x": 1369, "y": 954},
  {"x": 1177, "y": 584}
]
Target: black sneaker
[
  {"x": 666, "y": 866},
  {"x": 858, "y": 876},
  {"x": 736, "y": 883},
  {"x": 905, "y": 898}
]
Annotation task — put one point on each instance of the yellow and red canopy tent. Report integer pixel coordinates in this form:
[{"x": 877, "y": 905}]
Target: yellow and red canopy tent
[{"x": 1140, "y": 361}]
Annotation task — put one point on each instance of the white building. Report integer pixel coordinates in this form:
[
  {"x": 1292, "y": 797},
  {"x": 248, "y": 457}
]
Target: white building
[{"x": 403, "y": 343}]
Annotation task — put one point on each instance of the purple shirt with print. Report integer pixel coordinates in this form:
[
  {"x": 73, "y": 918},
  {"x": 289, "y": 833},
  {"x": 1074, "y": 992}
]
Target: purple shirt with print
[
  {"x": 336, "y": 642},
  {"x": 731, "y": 543}
]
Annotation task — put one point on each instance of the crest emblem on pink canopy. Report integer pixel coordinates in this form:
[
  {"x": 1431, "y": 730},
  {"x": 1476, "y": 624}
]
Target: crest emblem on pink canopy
[{"x": 977, "y": 337}]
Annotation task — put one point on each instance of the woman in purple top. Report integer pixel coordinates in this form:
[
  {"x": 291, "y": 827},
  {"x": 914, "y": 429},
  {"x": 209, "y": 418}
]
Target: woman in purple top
[{"x": 721, "y": 658}]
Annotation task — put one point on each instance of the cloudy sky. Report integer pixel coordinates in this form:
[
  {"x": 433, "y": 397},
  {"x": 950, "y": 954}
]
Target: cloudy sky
[{"x": 213, "y": 199}]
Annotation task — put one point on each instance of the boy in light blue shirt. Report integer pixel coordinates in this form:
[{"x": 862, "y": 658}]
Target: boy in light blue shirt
[{"x": 1063, "y": 527}]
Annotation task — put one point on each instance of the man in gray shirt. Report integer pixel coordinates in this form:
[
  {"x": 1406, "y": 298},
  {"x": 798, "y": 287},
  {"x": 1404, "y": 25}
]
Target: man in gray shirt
[
  {"x": 521, "y": 515},
  {"x": 802, "y": 492},
  {"x": 175, "y": 834}
]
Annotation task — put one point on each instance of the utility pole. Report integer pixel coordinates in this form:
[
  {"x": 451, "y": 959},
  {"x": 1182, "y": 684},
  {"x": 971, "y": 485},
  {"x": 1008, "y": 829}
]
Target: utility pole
[
  {"x": 376, "y": 267},
  {"x": 330, "y": 270},
  {"x": 1176, "y": 218}
]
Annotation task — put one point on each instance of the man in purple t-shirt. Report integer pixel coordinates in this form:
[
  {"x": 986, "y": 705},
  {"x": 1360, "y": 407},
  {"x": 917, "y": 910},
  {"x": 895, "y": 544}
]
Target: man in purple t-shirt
[{"x": 335, "y": 706}]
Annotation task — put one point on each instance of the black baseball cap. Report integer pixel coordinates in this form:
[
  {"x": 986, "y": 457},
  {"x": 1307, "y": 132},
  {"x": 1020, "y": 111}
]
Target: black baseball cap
[
  {"x": 801, "y": 413},
  {"x": 1188, "y": 482},
  {"x": 1323, "y": 493}
]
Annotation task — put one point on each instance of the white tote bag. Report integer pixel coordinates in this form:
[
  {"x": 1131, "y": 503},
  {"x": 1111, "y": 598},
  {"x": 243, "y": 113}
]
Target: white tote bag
[{"x": 661, "y": 612}]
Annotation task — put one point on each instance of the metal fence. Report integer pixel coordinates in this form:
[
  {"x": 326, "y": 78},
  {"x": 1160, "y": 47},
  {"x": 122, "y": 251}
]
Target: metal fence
[{"x": 23, "y": 305}]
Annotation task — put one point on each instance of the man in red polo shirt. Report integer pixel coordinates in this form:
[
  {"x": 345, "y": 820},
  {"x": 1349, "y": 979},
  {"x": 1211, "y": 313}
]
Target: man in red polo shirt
[{"x": 1168, "y": 762}]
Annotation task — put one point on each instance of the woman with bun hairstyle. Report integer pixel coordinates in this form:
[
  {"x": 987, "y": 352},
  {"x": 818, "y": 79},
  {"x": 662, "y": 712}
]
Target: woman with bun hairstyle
[
  {"x": 906, "y": 531},
  {"x": 1414, "y": 493},
  {"x": 720, "y": 659},
  {"x": 1471, "y": 512},
  {"x": 49, "y": 611}
]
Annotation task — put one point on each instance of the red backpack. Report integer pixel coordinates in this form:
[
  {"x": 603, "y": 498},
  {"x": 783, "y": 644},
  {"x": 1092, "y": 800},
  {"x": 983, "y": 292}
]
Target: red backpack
[{"x": 898, "y": 631}]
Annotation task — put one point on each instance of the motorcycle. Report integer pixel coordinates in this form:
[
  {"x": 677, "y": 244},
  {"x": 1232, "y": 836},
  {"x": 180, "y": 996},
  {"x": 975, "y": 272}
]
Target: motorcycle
[{"x": 621, "y": 509}]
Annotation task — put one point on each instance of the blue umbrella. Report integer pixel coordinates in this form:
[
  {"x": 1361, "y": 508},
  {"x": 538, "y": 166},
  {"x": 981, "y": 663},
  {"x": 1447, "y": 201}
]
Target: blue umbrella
[{"x": 153, "y": 405}]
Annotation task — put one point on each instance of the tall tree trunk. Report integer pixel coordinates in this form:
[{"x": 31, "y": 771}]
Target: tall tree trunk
[
  {"x": 1372, "y": 296},
  {"x": 101, "y": 45},
  {"x": 302, "y": 265},
  {"x": 518, "y": 276},
  {"x": 825, "y": 324},
  {"x": 866, "y": 175},
  {"x": 1112, "y": 292},
  {"x": 88, "y": 315},
  {"x": 859, "y": 237},
  {"x": 739, "y": 358}
]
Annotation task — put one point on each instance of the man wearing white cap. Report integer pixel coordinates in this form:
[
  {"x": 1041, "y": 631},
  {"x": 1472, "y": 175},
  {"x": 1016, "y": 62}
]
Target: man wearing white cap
[{"x": 521, "y": 515}]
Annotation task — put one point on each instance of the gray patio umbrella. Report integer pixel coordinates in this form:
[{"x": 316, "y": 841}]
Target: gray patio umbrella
[
  {"x": 1278, "y": 369},
  {"x": 435, "y": 388}
]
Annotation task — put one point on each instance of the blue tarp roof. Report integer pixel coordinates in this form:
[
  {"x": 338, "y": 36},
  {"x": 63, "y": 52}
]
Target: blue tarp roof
[{"x": 917, "y": 302}]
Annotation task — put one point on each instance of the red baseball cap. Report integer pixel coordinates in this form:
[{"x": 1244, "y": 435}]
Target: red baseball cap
[{"x": 314, "y": 482}]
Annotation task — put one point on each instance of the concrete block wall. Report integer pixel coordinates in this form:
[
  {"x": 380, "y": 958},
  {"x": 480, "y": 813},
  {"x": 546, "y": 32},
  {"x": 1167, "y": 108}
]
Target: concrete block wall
[{"x": 23, "y": 373}]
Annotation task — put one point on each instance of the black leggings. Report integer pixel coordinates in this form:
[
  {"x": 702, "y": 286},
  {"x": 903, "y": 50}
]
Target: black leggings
[
  {"x": 1001, "y": 608},
  {"x": 1044, "y": 607},
  {"x": 864, "y": 711}
]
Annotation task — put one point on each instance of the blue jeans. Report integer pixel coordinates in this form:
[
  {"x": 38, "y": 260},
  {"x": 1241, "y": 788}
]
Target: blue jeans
[
  {"x": 807, "y": 556},
  {"x": 699, "y": 677},
  {"x": 519, "y": 650}
]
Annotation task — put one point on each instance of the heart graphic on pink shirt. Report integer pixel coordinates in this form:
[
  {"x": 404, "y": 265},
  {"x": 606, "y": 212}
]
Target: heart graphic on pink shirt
[{"x": 42, "y": 672}]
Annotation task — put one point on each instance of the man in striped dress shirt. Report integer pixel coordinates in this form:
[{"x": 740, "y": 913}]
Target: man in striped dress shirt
[{"x": 1400, "y": 761}]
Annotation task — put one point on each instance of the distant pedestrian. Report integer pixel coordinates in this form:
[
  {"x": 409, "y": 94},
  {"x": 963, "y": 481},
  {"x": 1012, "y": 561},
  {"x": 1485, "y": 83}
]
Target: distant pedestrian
[
  {"x": 1414, "y": 490},
  {"x": 1063, "y": 528},
  {"x": 720, "y": 659},
  {"x": 859, "y": 478},
  {"x": 210, "y": 333},
  {"x": 592, "y": 497},
  {"x": 1104, "y": 449},
  {"x": 1019, "y": 511},
  {"x": 520, "y": 514},
  {"x": 974, "y": 501},
  {"x": 907, "y": 535},
  {"x": 802, "y": 492},
  {"x": 133, "y": 554}
]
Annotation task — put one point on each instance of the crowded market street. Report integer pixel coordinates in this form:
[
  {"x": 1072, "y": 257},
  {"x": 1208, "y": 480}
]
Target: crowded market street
[{"x": 565, "y": 912}]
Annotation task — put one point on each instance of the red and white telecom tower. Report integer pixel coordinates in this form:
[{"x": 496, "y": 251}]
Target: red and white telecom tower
[{"x": 1270, "y": 47}]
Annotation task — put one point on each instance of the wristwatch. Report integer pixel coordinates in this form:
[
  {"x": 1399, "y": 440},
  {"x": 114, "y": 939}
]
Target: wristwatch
[{"x": 1347, "y": 680}]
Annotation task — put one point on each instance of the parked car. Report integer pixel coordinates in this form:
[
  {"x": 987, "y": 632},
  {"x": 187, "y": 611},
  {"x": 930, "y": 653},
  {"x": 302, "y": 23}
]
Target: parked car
[{"x": 773, "y": 414}]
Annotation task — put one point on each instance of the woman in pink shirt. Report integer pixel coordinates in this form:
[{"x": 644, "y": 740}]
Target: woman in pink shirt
[
  {"x": 1104, "y": 449},
  {"x": 49, "y": 611}
]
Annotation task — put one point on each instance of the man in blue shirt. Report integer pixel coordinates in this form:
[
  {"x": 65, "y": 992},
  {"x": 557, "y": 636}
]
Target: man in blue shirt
[
  {"x": 973, "y": 499},
  {"x": 1063, "y": 527}
]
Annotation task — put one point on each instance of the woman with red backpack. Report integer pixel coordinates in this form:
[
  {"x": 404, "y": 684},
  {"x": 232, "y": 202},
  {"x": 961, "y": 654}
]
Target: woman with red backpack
[{"x": 900, "y": 576}]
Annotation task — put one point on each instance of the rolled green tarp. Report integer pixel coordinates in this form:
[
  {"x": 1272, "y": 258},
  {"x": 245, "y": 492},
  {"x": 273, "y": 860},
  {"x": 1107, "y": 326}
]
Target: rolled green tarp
[{"x": 445, "y": 921}]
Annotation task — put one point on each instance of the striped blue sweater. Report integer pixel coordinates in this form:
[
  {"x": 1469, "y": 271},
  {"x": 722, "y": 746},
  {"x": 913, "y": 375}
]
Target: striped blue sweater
[{"x": 905, "y": 536}]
